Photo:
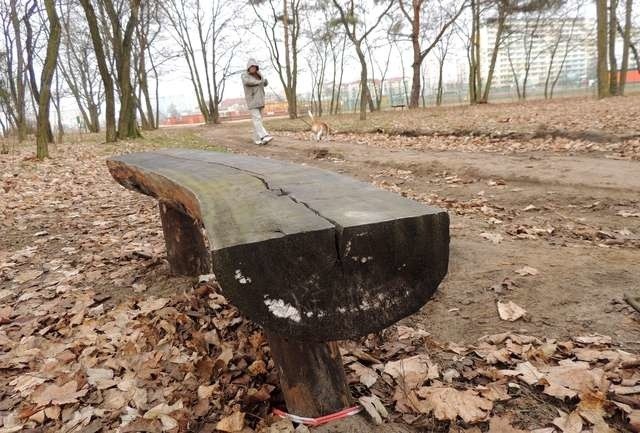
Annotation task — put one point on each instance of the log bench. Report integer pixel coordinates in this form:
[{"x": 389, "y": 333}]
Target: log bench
[{"x": 310, "y": 255}]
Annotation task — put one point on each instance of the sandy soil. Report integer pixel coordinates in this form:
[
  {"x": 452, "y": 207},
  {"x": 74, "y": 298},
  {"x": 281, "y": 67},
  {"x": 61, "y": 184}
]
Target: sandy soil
[{"x": 590, "y": 258}]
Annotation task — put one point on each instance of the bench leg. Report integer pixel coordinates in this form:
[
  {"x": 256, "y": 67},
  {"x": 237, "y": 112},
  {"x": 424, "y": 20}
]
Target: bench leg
[
  {"x": 312, "y": 376},
  {"x": 186, "y": 249}
]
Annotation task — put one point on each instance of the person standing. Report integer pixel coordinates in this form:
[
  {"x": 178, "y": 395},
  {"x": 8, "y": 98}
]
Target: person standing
[{"x": 254, "y": 84}]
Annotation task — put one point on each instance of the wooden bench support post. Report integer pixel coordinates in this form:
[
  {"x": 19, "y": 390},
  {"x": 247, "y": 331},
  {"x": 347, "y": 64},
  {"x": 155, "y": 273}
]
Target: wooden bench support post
[
  {"x": 312, "y": 376},
  {"x": 186, "y": 249}
]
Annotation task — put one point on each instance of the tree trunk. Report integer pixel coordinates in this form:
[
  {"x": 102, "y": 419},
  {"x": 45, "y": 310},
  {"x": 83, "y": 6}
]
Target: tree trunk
[
  {"x": 94, "y": 117},
  {"x": 364, "y": 85},
  {"x": 33, "y": 84},
  {"x": 475, "y": 82},
  {"x": 19, "y": 87},
  {"x": 291, "y": 104},
  {"x": 625, "y": 46},
  {"x": 105, "y": 74},
  {"x": 58, "y": 111},
  {"x": 502, "y": 17},
  {"x": 602, "y": 39},
  {"x": 613, "y": 64},
  {"x": 127, "y": 125},
  {"x": 312, "y": 376},
  {"x": 439, "y": 90},
  {"x": 48, "y": 69},
  {"x": 338, "y": 95},
  {"x": 416, "y": 66}
]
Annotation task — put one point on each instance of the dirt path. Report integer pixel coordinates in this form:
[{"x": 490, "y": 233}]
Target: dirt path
[{"x": 559, "y": 214}]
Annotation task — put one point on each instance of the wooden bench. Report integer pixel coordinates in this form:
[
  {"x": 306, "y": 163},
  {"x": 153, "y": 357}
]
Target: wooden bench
[
  {"x": 310, "y": 255},
  {"x": 400, "y": 106}
]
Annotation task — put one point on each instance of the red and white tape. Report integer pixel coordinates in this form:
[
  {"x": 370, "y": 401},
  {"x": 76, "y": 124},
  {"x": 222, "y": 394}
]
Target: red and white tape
[{"x": 320, "y": 420}]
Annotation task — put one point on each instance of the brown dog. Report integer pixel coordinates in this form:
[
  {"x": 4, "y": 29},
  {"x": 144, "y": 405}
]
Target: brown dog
[{"x": 319, "y": 130}]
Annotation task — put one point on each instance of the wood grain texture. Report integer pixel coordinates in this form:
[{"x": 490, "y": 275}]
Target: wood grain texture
[
  {"x": 187, "y": 251},
  {"x": 304, "y": 252},
  {"x": 312, "y": 377}
]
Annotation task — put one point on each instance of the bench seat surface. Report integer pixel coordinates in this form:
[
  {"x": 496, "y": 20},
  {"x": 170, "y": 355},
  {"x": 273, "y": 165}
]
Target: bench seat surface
[{"x": 306, "y": 253}]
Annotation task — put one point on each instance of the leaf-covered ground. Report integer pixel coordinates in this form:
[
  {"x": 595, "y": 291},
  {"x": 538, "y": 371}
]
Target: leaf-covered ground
[{"x": 97, "y": 335}]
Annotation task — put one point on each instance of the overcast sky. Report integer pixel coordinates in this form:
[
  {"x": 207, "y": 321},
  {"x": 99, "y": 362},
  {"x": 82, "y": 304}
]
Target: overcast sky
[{"x": 176, "y": 88}]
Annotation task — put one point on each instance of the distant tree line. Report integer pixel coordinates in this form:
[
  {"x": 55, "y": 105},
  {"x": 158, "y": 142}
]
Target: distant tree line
[{"x": 108, "y": 55}]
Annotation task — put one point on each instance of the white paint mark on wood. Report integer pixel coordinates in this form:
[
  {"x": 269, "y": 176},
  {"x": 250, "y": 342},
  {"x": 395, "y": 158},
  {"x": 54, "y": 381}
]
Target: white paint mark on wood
[
  {"x": 241, "y": 278},
  {"x": 282, "y": 309}
]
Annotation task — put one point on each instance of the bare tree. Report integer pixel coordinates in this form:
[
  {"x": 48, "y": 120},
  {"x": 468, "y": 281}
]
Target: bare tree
[
  {"x": 46, "y": 78},
  {"x": 79, "y": 67},
  {"x": 147, "y": 30},
  {"x": 122, "y": 35},
  {"x": 382, "y": 67},
  {"x": 103, "y": 67},
  {"x": 206, "y": 38},
  {"x": 15, "y": 66},
  {"x": 441, "y": 52},
  {"x": 318, "y": 58},
  {"x": 527, "y": 34},
  {"x": 32, "y": 41},
  {"x": 445, "y": 20},
  {"x": 270, "y": 14},
  {"x": 626, "y": 45},
  {"x": 7, "y": 113},
  {"x": 350, "y": 17},
  {"x": 613, "y": 64},
  {"x": 602, "y": 39},
  {"x": 57, "y": 95},
  {"x": 337, "y": 42}
]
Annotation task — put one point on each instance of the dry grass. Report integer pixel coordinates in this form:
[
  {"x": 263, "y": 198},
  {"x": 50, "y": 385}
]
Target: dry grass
[{"x": 574, "y": 117}]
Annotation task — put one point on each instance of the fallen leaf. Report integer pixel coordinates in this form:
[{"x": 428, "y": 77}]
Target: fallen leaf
[
  {"x": 591, "y": 408},
  {"x": 569, "y": 423},
  {"x": 367, "y": 376},
  {"x": 162, "y": 409},
  {"x": 448, "y": 403},
  {"x": 527, "y": 270},
  {"x": 205, "y": 392},
  {"x": 634, "y": 420},
  {"x": 407, "y": 333},
  {"x": 528, "y": 373},
  {"x": 25, "y": 383},
  {"x": 627, "y": 214},
  {"x": 231, "y": 423},
  {"x": 52, "y": 412},
  {"x": 499, "y": 424},
  {"x": 374, "y": 407},
  {"x": 600, "y": 340},
  {"x": 495, "y": 391},
  {"x": 258, "y": 367},
  {"x": 54, "y": 394},
  {"x": 569, "y": 378},
  {"x": 496, "y": 238},
  {"x": 281, "y": 426},
  {"x": 151, "y": 305},
  {"x": 625, "y": 390},
  {"x": 493, "y": 354},
  {"x": 28, "y": 275},
  {"x": 114, "y": 399},
  {"x": 510, "y": 311},
  {"x": 101, "y": 378},
  {"x": 412, "y": 372}
]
